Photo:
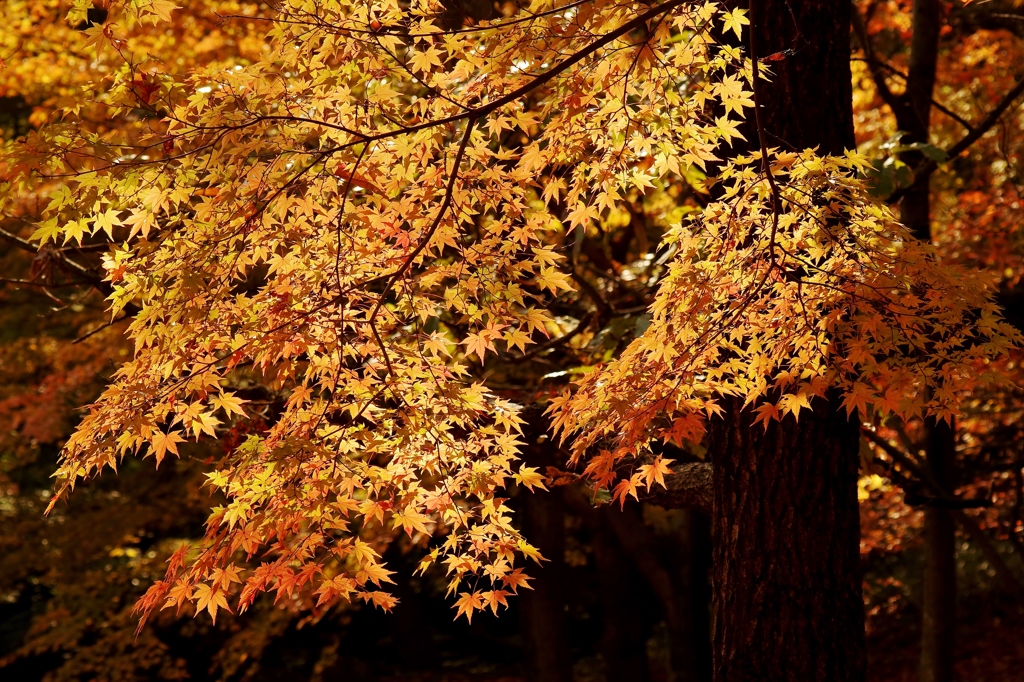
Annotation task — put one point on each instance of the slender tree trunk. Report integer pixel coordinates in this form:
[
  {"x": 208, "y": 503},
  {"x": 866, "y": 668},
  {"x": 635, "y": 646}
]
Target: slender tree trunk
[
  {"x": 624, "y": 646},
  {"x": 938, "y": 617},
  {"x": 679, "y": 581},
  {"x": 543, "y": 619},
  {"x": 691, "y": 658},
  {"x": 787, "y": 581}
]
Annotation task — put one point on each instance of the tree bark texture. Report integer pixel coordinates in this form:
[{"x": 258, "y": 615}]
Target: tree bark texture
[
  {"x": 687, "y": 487},
  {"x": 786, "y": 525},
  {"x": 808, "y": 101},
  {"x": 786, "y": 528}
]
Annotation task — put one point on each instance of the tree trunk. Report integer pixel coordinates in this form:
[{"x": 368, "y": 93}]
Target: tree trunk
[
  {"x": 624, "y": 645},
  {"x": 787, "y": 584},
  {"x": 787, "y": 580},
  {"x": 679, "y": 580},
  {"x": 543, "y": 619},
  {"x": 691, "y": 642},
  {"x": 938, "y": 617}
]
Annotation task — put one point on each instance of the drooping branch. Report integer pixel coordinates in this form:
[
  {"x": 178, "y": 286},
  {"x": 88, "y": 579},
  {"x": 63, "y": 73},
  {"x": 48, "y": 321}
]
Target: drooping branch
[
  {"x": 943, "y": 498},
  {"x": 986, "y": 123}
]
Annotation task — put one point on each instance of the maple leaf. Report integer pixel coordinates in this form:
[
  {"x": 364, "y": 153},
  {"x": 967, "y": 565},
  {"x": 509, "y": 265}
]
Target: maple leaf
[
  {"x": 423, "y": 60},
  {"x": 229, "y": 403},
  {"x": 479, "y": 343},
  {"x": 530, "y": 477},
  {"x": 494, "y": 599},
  {"x": 655, "y": 472},
  {"x": 381, "y": 600},
  {"x": 555, "y": 280},
  {"x": 625, "y": 488},
  {"x": 469, "y": 602},
  {"x": 735, "y": 21},
  {"x": 375, "y": 573},
  {"x": 180, "y": 593},
  {"x": 210, "y": 598},
  {"x": 48, "y": 231},
  {"x": 162, "y": 443}
]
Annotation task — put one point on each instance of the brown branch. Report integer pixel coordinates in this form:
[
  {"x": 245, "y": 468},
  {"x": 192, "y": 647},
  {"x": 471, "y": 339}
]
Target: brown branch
[
  {"x": 407, "y": 263},
  {"x": 873, "y": 63},
  {"x": 689, "y": 485},
  {"x": 935, "y": 103},
  {"x": 97, "y": 330},
  {"x": 23, "y": 244},
  {"x": 976, "y": 132},
  {"x": 940, "y": 497},
  {"x": 952, "y": 114},
  {"x": 944, "y": 499},
  {"x": 557, "y": 341},
  {"x": 986, "y": 123}
]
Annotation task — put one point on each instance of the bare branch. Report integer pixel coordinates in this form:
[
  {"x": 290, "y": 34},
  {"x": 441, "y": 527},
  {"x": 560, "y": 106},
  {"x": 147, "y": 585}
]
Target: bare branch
[
  {"x": 976, "y": 132},
  {"x": 874, "y": 65}
]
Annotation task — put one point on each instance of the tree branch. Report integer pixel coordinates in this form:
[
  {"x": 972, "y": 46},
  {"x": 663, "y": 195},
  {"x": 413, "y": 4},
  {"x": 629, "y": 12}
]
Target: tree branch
[
  {"x": 873, "y": 63},
  {"x": 976, "y": 132},
  {"x": 986, "y": 123},
  {"x": 941, "y": 497},
  {"x": 944, "y": 499},
  {"x": 689, "y": 485}
]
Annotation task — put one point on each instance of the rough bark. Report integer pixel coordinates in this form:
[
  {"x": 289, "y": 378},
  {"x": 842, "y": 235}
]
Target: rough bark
[
  {"x": 688, "y": 486},
  {"x": 787, "y": 590},
  {"x": 787, "y": 582},
  {"x": 808, "y": 101}
]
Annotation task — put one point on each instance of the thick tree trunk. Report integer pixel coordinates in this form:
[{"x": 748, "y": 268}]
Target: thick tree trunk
[
  {"x": 788, "y": 604},
  {"x": 787, "y": 581}
]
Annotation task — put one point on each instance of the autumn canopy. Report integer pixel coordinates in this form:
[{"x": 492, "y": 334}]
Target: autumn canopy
[{"x": 381, "y": 251}]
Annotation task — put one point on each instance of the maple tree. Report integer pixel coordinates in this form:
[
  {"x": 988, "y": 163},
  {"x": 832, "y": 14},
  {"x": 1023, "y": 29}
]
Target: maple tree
[{"x": 358, "y": 224}]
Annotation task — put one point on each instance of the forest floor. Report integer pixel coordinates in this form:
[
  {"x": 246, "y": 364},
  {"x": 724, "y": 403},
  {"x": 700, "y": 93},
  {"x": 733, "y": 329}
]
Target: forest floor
[{"x": 990, "y": 647}]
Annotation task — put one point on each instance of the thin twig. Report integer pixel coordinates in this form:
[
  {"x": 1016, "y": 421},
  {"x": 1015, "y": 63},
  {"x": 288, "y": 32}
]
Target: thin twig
[{"x": 765, "y": 165}]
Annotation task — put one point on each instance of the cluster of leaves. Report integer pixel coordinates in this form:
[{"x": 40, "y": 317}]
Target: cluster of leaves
[
  {"x": 794, "y": 284},
  {"x": 336, "y": 229},
  {"x": 332, "y": 225}
]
